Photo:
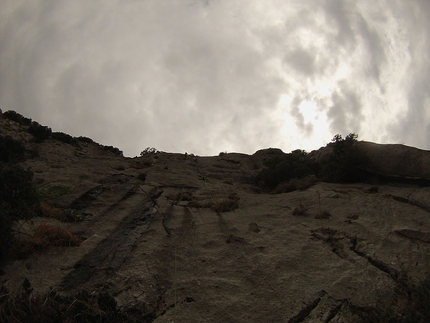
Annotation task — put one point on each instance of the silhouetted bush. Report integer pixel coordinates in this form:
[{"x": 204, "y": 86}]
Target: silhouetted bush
[
  {"x": 64, "y": 137},
  {"x": 148, "y": 151},
  {"x": 85, "y": 139},
  {"x": 283, "y": 168},
  {"x": 112, "y": 149},
  {"x": 288, "y": 172},
  {"x": 11, "y": 150},
  {"x": 38, "y": 131},
  {"x": 18, "y": 201},
  {"x": 345, "y": 164},
  {"x": 15, "y": 116}
]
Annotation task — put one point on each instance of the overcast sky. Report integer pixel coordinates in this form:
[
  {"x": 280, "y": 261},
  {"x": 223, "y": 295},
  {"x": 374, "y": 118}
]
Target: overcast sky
[{"x": 206, "y": 76}]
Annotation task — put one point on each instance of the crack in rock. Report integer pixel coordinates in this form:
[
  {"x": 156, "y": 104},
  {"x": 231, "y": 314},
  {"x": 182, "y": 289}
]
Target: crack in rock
[
  {"x": 394, "y": 273},
  {"x": 304, "y": 312},
  {"x": 411, "y": 202},
  {"x": 416, "y": 235},
  {"x": 111, "y": 252},
  {"x": 334, "y": 311},
  {"x": 89, "y": 196}
]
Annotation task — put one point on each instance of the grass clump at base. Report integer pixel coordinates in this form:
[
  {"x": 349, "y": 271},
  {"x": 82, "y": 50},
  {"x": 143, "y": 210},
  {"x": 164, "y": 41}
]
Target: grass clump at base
[
  {"x": 64, "y": 215},
  {"x": 224, "y": 205},
  {"x": 296, "y": 184},
  {"x": 49, "y": 192},
  {"x": 220, "y": 205},
  {"x": 46, "y": 236},
  {"x": 25, "y": 306}
]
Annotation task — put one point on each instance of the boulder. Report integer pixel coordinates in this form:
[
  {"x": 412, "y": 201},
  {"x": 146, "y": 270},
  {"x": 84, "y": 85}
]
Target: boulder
[{"x": 395, "y": 160}]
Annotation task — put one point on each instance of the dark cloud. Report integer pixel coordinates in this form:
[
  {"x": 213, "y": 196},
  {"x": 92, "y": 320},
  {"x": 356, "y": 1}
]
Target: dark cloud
[
  {"x": 339, "y": 14},
  {"x": 304, "y": 127},
  {"x": 373, "y": 43},
  {"x": 412, "y": 126},
  {"x": 345, "y": 114},
  {"x": 302, "y": 61}
]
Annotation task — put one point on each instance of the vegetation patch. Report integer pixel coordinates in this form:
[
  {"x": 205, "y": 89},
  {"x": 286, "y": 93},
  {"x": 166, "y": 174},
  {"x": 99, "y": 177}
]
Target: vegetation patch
[
  {"x": 67, "y": 215},
  {"x": 296, "y": 171},
  {"x": 53, "y": 191},
  {"x": 323, "y": 215},
  {"x": 73, "y": 215},
  {"x": 345, "y": 164},
  {"x": 85, "y": 139},
  {"x": 224, "y": 205},
  {"x": 39, "y": 132},
  {"x": 283, "y": 168},
  {"x": 11, "y": 150},
  {"x": 18, "y": 201},
  {"x": 18, "y": 118},
  {"x": 46, "y": 236},
  {"x": 148, "y": 151},
  {"x": 25, "y": 306},
  {"x": 220, "y": 205},
  {"x": 64, "y": 137},
  {"x": 112, "y": 149},
  {"x": 296, "y": 184},
  {"x": 50, "y": 211},
  {"x": 300, "y": 210}
]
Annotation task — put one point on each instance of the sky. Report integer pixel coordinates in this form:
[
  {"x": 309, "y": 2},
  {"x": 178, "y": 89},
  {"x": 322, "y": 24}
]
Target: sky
[{"x": 211, "y": 76}]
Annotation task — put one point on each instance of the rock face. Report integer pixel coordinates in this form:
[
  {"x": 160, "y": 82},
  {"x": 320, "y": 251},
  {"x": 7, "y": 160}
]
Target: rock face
[
  {"x": 188, "y": 238},
  {"x": 397, "y": 160},
  {"x": 388, "y": 160}
]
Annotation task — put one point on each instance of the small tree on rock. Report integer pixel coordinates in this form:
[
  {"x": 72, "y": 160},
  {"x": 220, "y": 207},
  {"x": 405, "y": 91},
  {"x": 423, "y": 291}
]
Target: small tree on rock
[{"x": 345, "y": 164}]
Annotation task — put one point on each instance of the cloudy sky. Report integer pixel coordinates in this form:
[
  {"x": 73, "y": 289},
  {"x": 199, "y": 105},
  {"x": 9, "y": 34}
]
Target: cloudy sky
[{"x": 206, "y": 76}]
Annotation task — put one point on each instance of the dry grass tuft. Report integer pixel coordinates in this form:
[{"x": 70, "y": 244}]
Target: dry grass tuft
[
  {"x": 50, "y": 211},
  {"x": 224, "y": 205},
  {"x": 26, "y": 306},
  {"x": 372, "y": 190},
  {"x": 46, "y": 236},
  {"x": 67, "y": 215},
  {"x": 323, "y": 215},
  {"x": 221, "y": 205},
  {"x": 296, "y": 184},
  {"x": 53, "y": 191},
  {"x": 300, "y": 210}
]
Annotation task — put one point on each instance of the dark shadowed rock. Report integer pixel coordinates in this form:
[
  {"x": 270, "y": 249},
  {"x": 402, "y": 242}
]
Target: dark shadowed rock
[{"x": 394, "y": 160}]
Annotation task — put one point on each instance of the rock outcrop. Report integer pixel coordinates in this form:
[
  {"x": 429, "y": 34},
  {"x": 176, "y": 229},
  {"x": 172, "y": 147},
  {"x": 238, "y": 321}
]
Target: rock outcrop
[
  {"x": 189, "y": 239},
  {"x": 394, "y": 160}
]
